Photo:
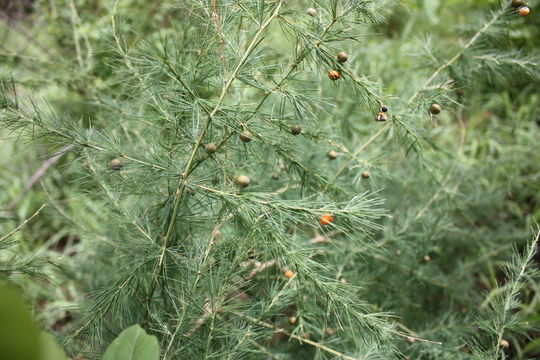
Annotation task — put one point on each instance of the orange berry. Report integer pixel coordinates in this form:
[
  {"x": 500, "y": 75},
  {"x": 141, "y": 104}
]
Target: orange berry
[
  {"x": 524, "y": 11},
  {"x": 326, "y": 219},
  {"x": 334, "y": 75},
  {"x": 245, "y": 136},
  {"x": 380, "y": 117},
  {"x": 289, "y": 274}
]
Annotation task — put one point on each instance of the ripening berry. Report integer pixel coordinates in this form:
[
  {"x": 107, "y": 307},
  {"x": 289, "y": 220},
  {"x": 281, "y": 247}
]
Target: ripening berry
[
  {"x": 116, "y": 164},
  {"x": 384, "y": 108},
  {"x": 326, "y": 219},
  {"x": 435, "y": 109},
  {"x": 524, "y": 11},
  {"x": 311, "y": 12},
  {"x": 504, "y": 343},
  {"x": 342, "y": 56},
  {"x": 296, "y": 129},
  {"x": 333, "y": 75},
  {"x": 380, "y": 116},
  {"x": 517, "y": 3},
  {"x": 332, "y": 155},
  {"x": 289, "y": 274},
  {"x": 245, "y": 136},
  {"x": 242, "y": 181},
  {"x": 210, "y": 148},
  {"x": 366, "y": 174},
  {"x": 293, "y": 320}
]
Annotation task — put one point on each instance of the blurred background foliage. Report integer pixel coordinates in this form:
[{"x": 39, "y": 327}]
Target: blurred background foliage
[{"x": 486, "y": 203}]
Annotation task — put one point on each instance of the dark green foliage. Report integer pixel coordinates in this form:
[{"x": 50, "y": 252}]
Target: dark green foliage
[{"x": 169, "y": 240}]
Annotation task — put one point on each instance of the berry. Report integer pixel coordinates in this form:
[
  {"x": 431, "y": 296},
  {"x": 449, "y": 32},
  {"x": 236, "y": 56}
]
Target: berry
[
  {"x": 332, "y": 155},
  {"x": 427, "y": 258},
  {"x": 311, "y": 12},
  {"x": 275, "y": 176},
  {"x": 333, "y": 75},
  {"x": 210, "y": 148},
  {"x": 326, "y": 219},
  {"x": 342, "y": 56},
  {"x": 524, "y": 11},
  {"x": 380, "y": 116},
  {"x": 517, "y": 3},
  {"x": 289, "y": 274},
  {"x": 245, "y": 136},
  {"x": 296, "y": 129},
  {"x": 384, "y": 108},
  {"x": 435, "y": 109},
  {"x": 504, "y": 343},
  {"x": 242, "y": 181},
  {"x": 366, "y": 174},
  {"x": 293, "y": 320},
  {"x": 116, "y": 164}
]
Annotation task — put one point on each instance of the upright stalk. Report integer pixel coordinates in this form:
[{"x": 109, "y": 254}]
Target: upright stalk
[{"x": 189, "y": 165}]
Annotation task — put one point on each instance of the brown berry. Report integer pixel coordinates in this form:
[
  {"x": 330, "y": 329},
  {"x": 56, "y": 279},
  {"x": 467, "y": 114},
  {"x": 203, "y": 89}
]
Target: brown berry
[
  {"x": 116, "y": 164},
  {"x": 342, "y": 56},
  {"x": 289, "y": 274},
  {"x": 517, "y": 3},
  {"x": 326, "y": 219},
  {"x": 380, "y": 116},
  {"x": 296, "y": 129},
  {"x": 293, "y": 320},
  {"x": 435, "y": 109},
  {"x": 245, "y": 136},
  {"x": 524, "y": 11},
  {"x": 366, "y": 174},
  {"x": 333, "y": 75},
  {"x": 242, "y": 181},
  {"x": 210, "y": 148},
  {"x": 332, "y": 155}
]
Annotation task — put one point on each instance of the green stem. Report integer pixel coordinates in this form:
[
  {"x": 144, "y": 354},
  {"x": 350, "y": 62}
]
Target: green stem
[{"x": 189, "y": 165}]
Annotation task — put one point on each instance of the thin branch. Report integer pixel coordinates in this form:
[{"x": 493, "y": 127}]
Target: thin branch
[
  {"x": 296, "y": 337},
  {"x": 18, "y": 228},
  {"x": 457, "y": 56},
  {"x": 38, "y": 174}
]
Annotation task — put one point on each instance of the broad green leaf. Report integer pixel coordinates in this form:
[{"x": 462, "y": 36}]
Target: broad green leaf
[
  {"x": 49, "y": 348},
  {"x": 133, "y": 344},
  {"x": 18, "y": 336}
]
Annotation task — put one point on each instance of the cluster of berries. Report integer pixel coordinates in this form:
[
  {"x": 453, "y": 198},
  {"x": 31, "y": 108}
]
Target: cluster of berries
[{"x": 523, "y": 9}]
